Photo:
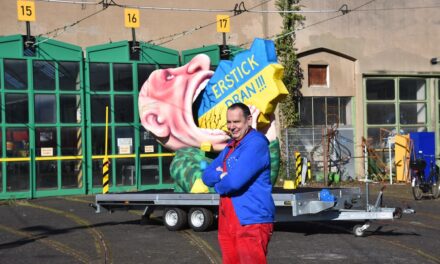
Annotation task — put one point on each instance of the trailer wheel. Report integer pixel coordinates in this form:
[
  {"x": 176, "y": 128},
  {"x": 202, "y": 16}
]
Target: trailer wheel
[
  {"x": 358, "y": 231},
  {"x": 174, "y": 218},
  {"x": 397, "y": 214},
  {"x": 200, "y": 219}
]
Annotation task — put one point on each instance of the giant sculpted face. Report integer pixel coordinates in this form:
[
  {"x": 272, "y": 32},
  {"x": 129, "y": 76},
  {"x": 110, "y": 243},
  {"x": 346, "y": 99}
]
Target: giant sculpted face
[
  {"x": 165, "y": 106},
  {"x": 185, "y": 107}
]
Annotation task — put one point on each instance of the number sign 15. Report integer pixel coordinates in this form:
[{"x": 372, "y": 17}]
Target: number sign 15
[{"x": 26, "y": 10}]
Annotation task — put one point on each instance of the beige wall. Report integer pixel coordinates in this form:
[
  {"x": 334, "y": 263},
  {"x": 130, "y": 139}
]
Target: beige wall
[
  {"x": 386, "y": 37},
  {"x": 389, "y": 36},
  {"x": 109, "y": 25}
]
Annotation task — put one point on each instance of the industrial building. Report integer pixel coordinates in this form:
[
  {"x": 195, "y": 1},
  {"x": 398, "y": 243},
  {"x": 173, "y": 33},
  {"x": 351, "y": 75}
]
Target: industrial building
[{"x": 370, "y": 69}]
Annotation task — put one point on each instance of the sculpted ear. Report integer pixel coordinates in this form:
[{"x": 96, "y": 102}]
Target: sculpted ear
[
  {"x": 153, "y": 121},
  {"x": 271, "y": 130},
  {"x": 255, "y": 113}
]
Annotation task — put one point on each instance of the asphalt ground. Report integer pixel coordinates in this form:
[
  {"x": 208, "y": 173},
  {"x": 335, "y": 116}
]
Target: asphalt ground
[{"x": 67, "y": 230}]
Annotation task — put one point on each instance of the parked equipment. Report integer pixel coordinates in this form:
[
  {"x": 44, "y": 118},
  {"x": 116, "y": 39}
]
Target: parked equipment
[
  {"x": 300, "y": 205},
  {"x": 424, "y": 184}
]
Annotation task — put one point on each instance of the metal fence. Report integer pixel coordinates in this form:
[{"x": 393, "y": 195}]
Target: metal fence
[{"x": 328, "y": 150}]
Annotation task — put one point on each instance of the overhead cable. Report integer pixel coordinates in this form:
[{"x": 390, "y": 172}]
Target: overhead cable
[
  {"x": 156, "y": 8},
  {"x": 344, "y": 10},
  {"x": 398, "y": 8},
  {"x": 60, "y": 30},
  {"x": 180, "y": 9},
  {"x": 294, "y": 11},
  {"x": 238, "y": 9},
  {"x": 71, "y": 2}
]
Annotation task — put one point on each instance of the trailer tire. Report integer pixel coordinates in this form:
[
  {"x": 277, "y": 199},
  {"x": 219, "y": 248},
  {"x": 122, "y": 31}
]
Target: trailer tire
[
  {"x": 200, "y": 219},
  {"x": 358, "y": 231},
  {"x": 174, "y": 218},
  {"x": 397, "y": 214}
]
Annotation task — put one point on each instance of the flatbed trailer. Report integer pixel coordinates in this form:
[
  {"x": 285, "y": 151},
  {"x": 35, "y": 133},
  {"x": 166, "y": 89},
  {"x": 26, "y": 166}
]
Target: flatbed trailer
[{"x": 300, "y": 205}]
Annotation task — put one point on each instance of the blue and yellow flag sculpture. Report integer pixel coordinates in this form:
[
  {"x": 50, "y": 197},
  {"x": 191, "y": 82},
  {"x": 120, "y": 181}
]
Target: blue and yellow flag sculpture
[{"x": 254, "y": 78}]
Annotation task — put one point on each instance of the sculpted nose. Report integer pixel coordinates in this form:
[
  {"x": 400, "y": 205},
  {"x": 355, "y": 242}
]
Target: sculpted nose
[{"x": 199, "y": 63}]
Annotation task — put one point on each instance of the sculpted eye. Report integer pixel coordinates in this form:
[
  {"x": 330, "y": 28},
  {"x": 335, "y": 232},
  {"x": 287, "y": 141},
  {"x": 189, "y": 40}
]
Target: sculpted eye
[{"x": 168, "y": 76}]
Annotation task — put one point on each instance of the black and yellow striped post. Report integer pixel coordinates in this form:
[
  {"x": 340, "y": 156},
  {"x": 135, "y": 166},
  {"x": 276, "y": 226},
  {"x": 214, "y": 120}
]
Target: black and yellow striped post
[
  {"x": 105, "y": 162},
  {"x": 105, "y": 176},
  {"x": 78, "y": 164},
  {"x": 298, "y": 167}
]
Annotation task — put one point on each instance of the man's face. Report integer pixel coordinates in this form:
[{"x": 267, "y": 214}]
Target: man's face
[{"x": 237, "y": 124}]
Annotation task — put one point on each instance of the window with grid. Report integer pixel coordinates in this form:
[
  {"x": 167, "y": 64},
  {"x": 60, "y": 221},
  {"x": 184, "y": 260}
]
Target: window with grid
[
  {"x": 394, "y": 105},
  {"x": 325, "y": 111}
]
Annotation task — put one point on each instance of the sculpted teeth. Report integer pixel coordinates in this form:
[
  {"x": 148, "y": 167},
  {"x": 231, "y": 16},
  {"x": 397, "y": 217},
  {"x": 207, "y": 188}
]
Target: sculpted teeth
[
  {"x": 202, "y": 86},
  {"x": 213, "y": 131}
]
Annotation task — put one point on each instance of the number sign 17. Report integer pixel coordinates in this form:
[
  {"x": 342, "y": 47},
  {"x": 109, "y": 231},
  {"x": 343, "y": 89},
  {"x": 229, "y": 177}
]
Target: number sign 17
[{"x": 223, "y": 24}]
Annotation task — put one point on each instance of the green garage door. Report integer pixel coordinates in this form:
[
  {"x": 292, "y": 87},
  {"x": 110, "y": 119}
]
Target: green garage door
[
  {"x": 114, "y": 76},
  {"x": 41, "y": 141}
]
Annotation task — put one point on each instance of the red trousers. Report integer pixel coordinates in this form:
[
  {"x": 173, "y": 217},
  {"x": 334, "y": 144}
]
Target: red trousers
[{"x": 241, "y": 244}]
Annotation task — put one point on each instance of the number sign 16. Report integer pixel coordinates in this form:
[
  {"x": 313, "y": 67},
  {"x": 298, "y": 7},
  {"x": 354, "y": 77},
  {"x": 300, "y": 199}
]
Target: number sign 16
[{"x": 131, "y": 18}]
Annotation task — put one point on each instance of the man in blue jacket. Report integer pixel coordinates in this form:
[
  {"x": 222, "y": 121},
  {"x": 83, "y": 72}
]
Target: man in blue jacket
[{"x": 241, "y": 175}]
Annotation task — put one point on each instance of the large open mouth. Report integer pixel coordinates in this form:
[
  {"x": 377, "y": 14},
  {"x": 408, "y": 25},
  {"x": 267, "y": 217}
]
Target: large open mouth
[
  {"x": 197, "y": 100},
  {"x": 201, "y": 82},
  {"x": 170, "y": 110}
]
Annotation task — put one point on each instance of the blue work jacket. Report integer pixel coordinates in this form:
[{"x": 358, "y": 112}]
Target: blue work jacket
[{"x": 248, "y": 179}]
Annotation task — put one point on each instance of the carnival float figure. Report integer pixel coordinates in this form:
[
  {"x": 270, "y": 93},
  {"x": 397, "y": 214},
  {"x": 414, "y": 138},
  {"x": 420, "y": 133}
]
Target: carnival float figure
[{"x": 185, "y": 108}]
